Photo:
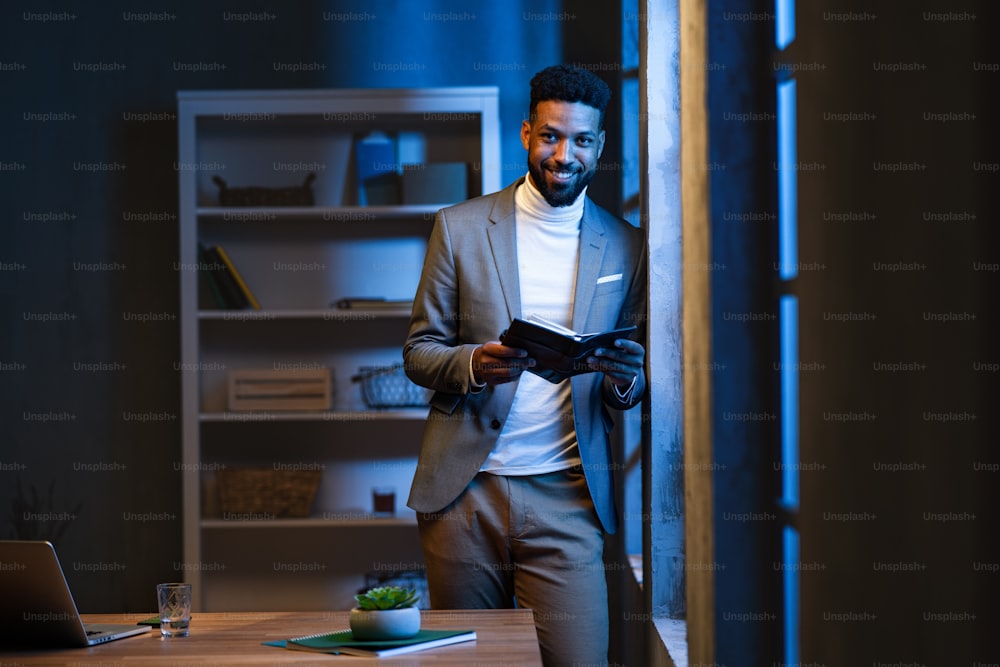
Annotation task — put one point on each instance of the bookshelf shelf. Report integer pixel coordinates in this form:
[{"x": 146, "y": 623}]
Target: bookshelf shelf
[
  {"x": 357, "y": 240},
  {"x": 325, "y": 315},
  {"x": 350, "y": 520},
  {"x": 345, "y": 214},
  {"x": 353, "y": 416}
]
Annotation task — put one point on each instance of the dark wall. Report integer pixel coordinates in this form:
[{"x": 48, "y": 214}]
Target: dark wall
[
  {"x": 897, "y": 287},
  {"x": 90, "y": 451},
  {"x": 898, "y": 271}
]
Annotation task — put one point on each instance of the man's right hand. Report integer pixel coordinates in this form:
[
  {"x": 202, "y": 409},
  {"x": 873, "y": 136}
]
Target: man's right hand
[{"x": 495, "y": 363}]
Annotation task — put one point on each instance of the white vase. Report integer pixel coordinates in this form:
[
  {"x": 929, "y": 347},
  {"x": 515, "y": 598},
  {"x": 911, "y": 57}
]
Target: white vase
[{"x": 384, "y": 624}]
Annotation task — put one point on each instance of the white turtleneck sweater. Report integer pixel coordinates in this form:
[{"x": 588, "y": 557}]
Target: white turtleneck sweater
[{"x": 539, "y": 435}]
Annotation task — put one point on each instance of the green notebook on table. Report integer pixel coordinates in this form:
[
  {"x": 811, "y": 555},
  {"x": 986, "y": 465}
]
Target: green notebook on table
[{"x": 343, "y": 642}]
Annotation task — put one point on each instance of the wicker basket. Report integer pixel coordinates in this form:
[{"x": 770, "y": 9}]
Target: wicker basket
[
  {"x": 301, "y": 195},
  {"x": 268, "y": 492},
  {"x": 388, "y": 387}
]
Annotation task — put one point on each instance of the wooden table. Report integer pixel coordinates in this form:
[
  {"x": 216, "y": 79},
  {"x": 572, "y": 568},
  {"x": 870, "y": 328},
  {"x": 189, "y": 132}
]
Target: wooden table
[{"x": 504, "y": 637}]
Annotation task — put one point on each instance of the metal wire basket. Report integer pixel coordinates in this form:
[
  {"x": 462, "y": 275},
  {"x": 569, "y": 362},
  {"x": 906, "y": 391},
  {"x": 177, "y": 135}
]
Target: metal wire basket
[{"x": 388, "y": 387}]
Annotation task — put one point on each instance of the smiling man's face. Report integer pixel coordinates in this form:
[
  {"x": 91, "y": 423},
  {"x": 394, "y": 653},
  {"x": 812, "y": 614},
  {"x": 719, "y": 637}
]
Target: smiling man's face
[{"x": 564, "y": 141}]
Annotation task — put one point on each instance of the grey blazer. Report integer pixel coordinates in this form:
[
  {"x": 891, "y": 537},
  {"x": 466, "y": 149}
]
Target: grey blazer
[{"x": 468, "y": 294}]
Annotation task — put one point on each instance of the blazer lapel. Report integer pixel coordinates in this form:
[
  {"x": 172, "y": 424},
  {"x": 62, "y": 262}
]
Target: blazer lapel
[
  {"x": 592, "y": 246},
  {"x": 503, "y": 245}
]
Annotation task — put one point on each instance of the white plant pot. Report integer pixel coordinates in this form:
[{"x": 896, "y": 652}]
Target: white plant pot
[{"x": 384, "y": 624}]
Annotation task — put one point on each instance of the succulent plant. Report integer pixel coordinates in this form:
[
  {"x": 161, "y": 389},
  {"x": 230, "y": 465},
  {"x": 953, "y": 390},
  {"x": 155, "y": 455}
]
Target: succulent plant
[{"x": 387, "y": 597}]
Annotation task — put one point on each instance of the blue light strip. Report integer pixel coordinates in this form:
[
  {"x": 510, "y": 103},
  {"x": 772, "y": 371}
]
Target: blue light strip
[
  {"x": 789, "y": 346},
  {"x": 788, "y": 265},
  {"x": 789, "y": 342},
  {"x": 784, "y": 23},
  {"x": 788, "y": 238},
  {"x": 790, "y": 554}
]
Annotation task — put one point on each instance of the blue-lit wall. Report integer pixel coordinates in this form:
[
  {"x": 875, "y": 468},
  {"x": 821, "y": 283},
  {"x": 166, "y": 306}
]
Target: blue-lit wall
[
  {"x": 89, "y": 140},
  {"x": 741, "y": 110}
]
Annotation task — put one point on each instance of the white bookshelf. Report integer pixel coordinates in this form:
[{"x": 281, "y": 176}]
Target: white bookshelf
[{"x": 299, "y": 261}]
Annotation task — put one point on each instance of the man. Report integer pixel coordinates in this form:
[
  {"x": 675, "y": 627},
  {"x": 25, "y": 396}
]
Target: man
[{"x": 513, "y": 489}]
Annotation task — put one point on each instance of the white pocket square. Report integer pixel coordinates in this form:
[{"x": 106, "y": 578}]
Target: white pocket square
[{"x": 610, "y": 278}]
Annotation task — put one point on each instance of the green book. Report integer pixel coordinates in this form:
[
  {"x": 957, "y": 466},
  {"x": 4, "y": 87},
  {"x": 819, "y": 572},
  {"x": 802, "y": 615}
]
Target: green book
[
  {"x": 343, "y": 642},
  {"x": 208, "y": 275}
]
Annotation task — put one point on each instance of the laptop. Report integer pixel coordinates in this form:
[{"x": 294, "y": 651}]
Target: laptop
[{"x": 36, "y": 606}]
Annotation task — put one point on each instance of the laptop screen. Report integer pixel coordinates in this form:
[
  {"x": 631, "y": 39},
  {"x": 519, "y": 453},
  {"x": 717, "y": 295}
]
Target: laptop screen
[{"x": 36, "y": 606}]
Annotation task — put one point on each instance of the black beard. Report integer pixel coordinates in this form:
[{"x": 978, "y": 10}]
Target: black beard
[{"x": 558, "y": 198}]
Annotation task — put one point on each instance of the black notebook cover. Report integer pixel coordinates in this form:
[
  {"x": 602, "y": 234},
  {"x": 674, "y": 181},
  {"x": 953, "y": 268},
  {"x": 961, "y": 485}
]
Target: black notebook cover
[{"x": 559, "y": 353}]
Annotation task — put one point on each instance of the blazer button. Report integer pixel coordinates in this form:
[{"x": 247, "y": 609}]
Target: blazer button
[{"x": 495, "y": 424}]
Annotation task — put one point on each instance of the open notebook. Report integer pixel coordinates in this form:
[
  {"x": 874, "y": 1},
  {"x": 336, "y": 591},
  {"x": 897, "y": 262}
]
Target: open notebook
[{"x": 36, "y": 606}]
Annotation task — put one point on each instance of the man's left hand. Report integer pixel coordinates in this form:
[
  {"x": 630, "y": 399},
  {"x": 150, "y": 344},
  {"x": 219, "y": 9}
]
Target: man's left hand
[{"x": 621, "y": 364}]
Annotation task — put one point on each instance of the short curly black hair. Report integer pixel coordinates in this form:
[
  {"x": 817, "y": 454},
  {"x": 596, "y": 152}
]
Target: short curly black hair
[{"x": 567, "y": 83}]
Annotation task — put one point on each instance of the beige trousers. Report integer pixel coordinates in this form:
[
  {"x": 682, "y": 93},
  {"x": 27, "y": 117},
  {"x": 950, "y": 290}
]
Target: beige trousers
[{"x": 527, "y": 541}]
